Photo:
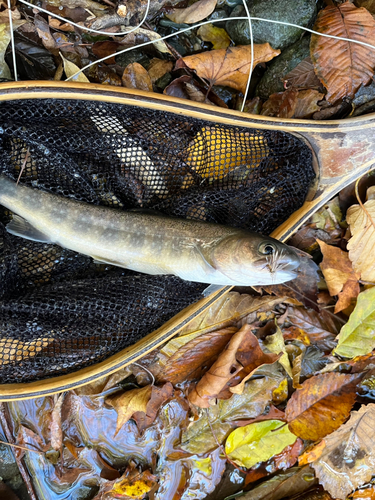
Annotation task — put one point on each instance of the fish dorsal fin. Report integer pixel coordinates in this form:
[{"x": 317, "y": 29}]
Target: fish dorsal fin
[{"x": 20, "y": 227}]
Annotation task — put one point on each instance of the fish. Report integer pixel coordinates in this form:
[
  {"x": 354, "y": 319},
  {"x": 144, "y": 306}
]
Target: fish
[{"x": 150, "y": 243}]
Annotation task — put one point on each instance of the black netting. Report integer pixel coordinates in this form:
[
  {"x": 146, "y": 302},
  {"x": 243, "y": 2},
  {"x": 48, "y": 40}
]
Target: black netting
[{"x": 59, "y": 310}]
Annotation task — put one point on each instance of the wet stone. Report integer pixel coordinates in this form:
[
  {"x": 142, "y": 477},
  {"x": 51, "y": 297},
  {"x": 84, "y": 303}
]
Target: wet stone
[
  {"x": 301, "y": 12},
  {"x": 271, "y": 81}
]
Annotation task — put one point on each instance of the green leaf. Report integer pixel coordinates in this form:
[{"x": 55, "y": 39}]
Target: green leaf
[
  {"x": 357, "y": 337},
  {"x": 258, "y": 442}
]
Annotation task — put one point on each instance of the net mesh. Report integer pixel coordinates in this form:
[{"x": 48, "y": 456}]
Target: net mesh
[{"x": 59, "y": 311}]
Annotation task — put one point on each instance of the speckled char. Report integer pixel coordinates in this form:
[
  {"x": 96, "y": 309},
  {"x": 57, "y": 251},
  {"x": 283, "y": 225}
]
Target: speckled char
[{"x": 144, "y": 242}]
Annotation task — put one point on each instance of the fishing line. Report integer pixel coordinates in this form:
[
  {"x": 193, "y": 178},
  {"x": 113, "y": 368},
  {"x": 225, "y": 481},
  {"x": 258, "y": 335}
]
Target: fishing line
[
  {"x": 12, "y": 40},
  {"x": 251, "y": 56}
]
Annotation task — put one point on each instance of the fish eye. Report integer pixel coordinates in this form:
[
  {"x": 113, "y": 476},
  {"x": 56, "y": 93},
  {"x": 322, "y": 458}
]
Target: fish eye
[{"x": 266, "y": 248}]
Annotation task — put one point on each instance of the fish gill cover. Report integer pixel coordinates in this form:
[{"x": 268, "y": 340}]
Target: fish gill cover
[{"x": 59, "y": 311}]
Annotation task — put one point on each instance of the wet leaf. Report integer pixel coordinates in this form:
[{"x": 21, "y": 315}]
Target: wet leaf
[
  {"x": 339, "y": 275},
  {"x": 225, "y": 368},
  {"x": 320, "y": 327},
  {"x": 192, "y": 359},
  {"x": 348, "y": 459},
  {"x": 158, "y": 68},
  {"x": 365, "y": 494},
  {"x": 198, "y": 437},
  {"x": 362, "y": 227},
  {"x": 283, "y": 485},
  {"x": 343, "y": 66},
  {"x": 217, "y": 36},
  {"x": 357, "y": 337},
  {"x": 303, "y": 76},
  {"x": 159, "y": 396},
  {"x": 193, "y": 14},
  {"x": 275, "y": 343},
  {"x": 255, "y": 443},
  {"x": 71, "y": 68},
  {"x": 321, "y": 405},
  {"x": 5, "y": 37},
  {"x": 136, "y": 77},
  {"x": 292, "y": 103},
  {"x": 128, "y": 403},
  {"x": 55, "y": 426},
  {"x": 307, "y": 103},
  {"x": 329, "y": 217},
  {"x": 104, "y": 49},
  {"x": 229, "y": 67}
]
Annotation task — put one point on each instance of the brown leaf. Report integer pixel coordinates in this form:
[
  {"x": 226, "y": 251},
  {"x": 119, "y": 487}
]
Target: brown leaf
[
  {"x": 220, "y": 372},
  {"x": 307, "y": 103},
  {"x": 348, "y": 460},
  {"x": 193, "y": 14},
  {"x": 366, "y": 494},
  {"x": 321, "y": 405},
  {"x": 158, "y": 68},
  {"x": 320, "y": 327},
  {"x": 272, "y": 414},
  {"x": 303, "y": 76},
  {"x": 194, "y": 358},
  {"x": 228, "y": 67},
  {"x": 159, "y": 396},
  {"x": 339, "y": 275},
  {"x": 292, "y": 103},
  {"x": 104, "y": 49},
  {"x": 128, "y": 403},
  {"x": 361, "y": 245},
  {"x": 55, "y": 425},
  {"x": 367, "y": 4},
  {"x": 136, "y": 77},
  {"x": 343, "y": 66}
]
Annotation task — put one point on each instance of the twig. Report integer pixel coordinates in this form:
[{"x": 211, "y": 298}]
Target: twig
[
  {"x": 4, "y": 418},
  {"x": 23, "y": 165},
  {"x": 22, "y": 447}
]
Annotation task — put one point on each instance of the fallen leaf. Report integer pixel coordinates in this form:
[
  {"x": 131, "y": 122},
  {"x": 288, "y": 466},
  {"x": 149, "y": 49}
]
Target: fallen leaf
[
  {"x": 365, "y": 494},
  {"x": 104, "y": 49},
  {"x": 362, "y": 227},
  {"x": 258, "y": 442},
  {"x": 217, "y": 36},
  {"x": 286, "y": 484},
  {"x": 329, "y": 217},
  {"x": 343, "y": 66},
  {"x": 340, "y": 277},
  {"x": 220, "y": 372},
  {"x": 272, "y": 414},
  {"x": 159, "y": 396},
  {"x": 192, "y": 359},
  {"x": 128, "y": 403},
  {"x": 193, "y": 14},
  {"x": 136, "y": 77},
  {"x": 5, "y": 37},
  {"x": 71, "y": 69},
  {"x": 292, "y": 103},
  {"x": 357, "y": 336},
  {"x": 303, "y": 76},
  {"x": 321, "y": 405},
  {"x": 55, "y": 425},
  {"x": 198, "y": 437},
  {"x": 307, "y": 103},
  {"x": 312, "y": 454},
  {"x": 348, "y": 459},
  {"x": 275, "y": 343},
  {"x": 229, "y": 67},
  {"x": 158, "y": 68},
  {"x": 320, "y": 327}
]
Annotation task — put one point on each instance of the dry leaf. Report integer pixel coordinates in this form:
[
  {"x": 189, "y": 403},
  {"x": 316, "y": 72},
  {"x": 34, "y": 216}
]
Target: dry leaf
[
  {"x": 228, "y": 67},
  {"x": 302, "y": 76},
  {"x": 217, "y": 36},
  {"x": 159, "y": 396},
  {"x": 225, "y": 368},
  {"x": 348, "y": 459},
  {"x": 339, "y": 275},
  {"x": 343, "y": 66},
  {"x": 321, "y": 405},
  {"x": 71, "y": 69},
  {"x": 362, "y": 243},
  {"x": 193, "y": 14},
  {"x": 275, "y": 343},
  {"x": 128, "y": 403},
  {"x": 136, "y": 77},
  {"x": 131, "y": 39}
]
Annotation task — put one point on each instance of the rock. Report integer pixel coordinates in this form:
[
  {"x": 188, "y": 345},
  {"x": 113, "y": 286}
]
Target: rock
[
  {"x": 271, "y": 81},
  {"x": 131, "y": 57},
  {"x": 299, "y": 12}
]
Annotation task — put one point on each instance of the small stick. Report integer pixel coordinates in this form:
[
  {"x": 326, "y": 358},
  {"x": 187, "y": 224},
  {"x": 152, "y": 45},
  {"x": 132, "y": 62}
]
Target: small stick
[
  {"x": 21, "y": 447},
  {"x": 23, "y": 165}
]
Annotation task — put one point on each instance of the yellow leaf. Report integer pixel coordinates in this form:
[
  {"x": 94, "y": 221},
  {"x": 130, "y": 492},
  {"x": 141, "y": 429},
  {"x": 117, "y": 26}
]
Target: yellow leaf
[
  {"x": 71, "y": 68},
  {"x": 135, "y": 486},
  {"x": 275, "y": 343},
  {"x": 357, "y": 337},
  {"x": 128, "y": 403},
  {"x": 257, "y": 442},
  {"x": 362, "y": 243},
  {"x": 217, "y": 36}
]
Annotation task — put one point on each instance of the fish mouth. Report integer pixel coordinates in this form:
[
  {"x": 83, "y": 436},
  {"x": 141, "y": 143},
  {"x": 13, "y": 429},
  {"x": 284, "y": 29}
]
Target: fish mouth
[{"x": 282, "y": 263}]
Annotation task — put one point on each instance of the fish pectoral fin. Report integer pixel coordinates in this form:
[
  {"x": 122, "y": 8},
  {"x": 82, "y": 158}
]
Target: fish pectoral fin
[
  {"x": 99, "y": 260},
  {"x": 20, "y": 227}
]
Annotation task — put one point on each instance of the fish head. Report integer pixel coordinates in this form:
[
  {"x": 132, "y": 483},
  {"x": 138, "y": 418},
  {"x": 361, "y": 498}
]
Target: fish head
[{"x": 252, "y": 259}]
